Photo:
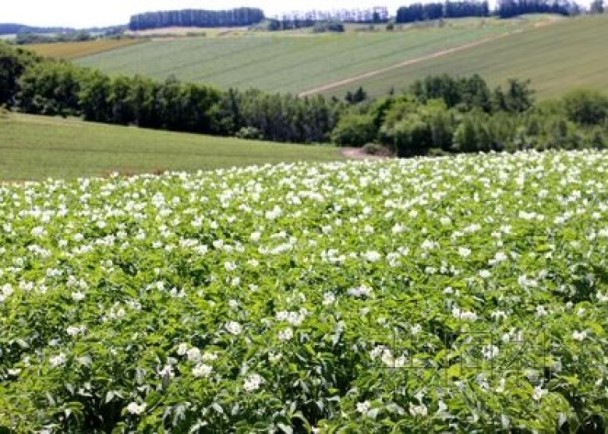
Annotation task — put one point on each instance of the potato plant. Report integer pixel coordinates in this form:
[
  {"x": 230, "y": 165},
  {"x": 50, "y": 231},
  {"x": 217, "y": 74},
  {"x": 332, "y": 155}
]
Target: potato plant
[{"x": 465, "y": 294}]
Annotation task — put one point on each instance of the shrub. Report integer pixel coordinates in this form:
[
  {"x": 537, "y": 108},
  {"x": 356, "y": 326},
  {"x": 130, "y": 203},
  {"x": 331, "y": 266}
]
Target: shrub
[
  {"x": 328, "y": 26},
  {"x": 354, "y": 130},
  {"x": 586, "y": 106},
  {"x": 251, "y": 133},
  {"x": 376, "y": 149}
]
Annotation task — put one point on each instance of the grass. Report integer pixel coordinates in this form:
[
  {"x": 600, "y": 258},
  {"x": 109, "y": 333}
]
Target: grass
[
  {"x": 74, "y": 50},
  {"x": 36, "y": 147},
  {"x": 556, "y": 58},
  {"x": 289, "y": 62}
]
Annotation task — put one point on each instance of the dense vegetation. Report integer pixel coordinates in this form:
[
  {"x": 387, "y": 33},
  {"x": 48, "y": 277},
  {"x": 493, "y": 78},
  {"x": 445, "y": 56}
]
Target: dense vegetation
[
  {"x": 298, "y": 20},
  {"x": 435, "y": 10},
  {"x": 513, "y": 8},
  {"x": 471, "y": 8},
  {"x": 423, "y": 296},
  {"x": 446, "y": 114},
  {"x": 196, "y": 18},
  {"x": 437, "y": 114}
]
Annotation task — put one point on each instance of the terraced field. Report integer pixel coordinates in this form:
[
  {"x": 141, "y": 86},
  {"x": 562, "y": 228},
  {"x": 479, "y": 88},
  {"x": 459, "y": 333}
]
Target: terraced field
[{"x": 37, "y": 147}]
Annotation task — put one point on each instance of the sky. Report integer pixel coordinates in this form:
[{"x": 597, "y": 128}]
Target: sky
[{"x": 82, "y": 13}]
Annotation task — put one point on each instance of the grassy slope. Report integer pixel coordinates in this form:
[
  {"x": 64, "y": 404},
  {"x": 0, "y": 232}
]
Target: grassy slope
[
  {"x": 35, "y": 147},
  {"x": 555, "y": 57},
  {"x": 291, "y": 62},
  {"x": 73, "y": 50}
]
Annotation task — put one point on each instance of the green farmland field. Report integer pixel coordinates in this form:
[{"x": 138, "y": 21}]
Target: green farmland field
[
  {"x": 35, "y": 147},
  {"x": 557, "y": 58},
  {"x": 291, "y": 62},
  {"x": 557, "y": 55}
]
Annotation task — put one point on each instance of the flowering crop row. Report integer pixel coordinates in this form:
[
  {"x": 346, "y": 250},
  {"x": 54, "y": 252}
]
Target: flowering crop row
[{"x": 464, "y": 294}]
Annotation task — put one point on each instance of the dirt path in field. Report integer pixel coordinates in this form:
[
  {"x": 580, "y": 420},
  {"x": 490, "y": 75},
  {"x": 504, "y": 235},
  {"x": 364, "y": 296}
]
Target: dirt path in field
[
  {"x": 359, "y": 154},
  {"x": 410, "y": 62}
]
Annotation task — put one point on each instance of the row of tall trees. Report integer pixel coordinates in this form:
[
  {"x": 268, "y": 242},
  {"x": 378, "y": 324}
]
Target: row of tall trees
[
  {"x": 296, "y": 20},
  {"x": 512, "y": 8},
  {"x": 471, "y": 8},
  {"x": 437, "y": 10},
  {"x": 197, "y": 18}
]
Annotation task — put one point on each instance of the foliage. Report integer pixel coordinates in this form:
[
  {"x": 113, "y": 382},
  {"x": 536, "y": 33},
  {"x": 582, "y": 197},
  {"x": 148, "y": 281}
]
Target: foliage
[
  {"x": 513, "y": 8},
  {"x": 435, "y": 11},
  {"x": 197, "y": 18},
  {"x": 251, "y": 133},
  {"x": 597, "y": 7},
  {"x": 466, "y": 93},
  {"x": 465, "y": 116},
  {"x": 328, "y": 26},
  {"x": 376, "y": 150},
  {"x": 59, "y": 88},
  {"x": 586, "y": 106},
  {"x": 35, "y": 38},
  {"x": 321, "y": 20},
  {"x": 424, "y": 295},
  {"x": 13, "y": 63},
  {"x": 355, "y": 97},
  {"x": 354, "y": 129},
  {"x": 458, "y": 114},
  {"x": 51, "y": 89},
  {"x": 13, "y": 29}
]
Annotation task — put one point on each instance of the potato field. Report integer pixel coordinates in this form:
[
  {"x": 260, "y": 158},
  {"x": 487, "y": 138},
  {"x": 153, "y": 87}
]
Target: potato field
[{"x": 465, "y": 294}]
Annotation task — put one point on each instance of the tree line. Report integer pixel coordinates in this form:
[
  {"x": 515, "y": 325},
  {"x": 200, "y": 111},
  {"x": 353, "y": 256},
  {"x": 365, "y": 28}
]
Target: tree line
[
  {"x": 57, "y": 88},
  {"x": 435, "y": 10},
  {"x": 513, "y": 8},
  {"x": 438, "y": 114},
  {"x": 444, "y": 114},
  {"x": 197, "y": 18},
  {"x": 471, "y": 8},
  {"x": 297, "y": 20}
]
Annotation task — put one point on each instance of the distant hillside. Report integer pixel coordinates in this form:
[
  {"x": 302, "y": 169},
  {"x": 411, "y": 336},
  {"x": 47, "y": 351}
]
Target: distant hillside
[
  {"x": 13, "y": 29},
  {"x": 196, "y": 18},
  {"x": 556, "y": 56},
  {"x": 287, "y": 61}
]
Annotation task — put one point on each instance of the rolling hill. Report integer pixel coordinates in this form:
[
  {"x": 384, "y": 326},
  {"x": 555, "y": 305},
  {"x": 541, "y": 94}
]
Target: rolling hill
[
  {"x": 291, "y": 61},
  {"x": 37, "y": 147},
  {"x": 556, "y": 58},
  {"x": 555, "y": 54}
]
